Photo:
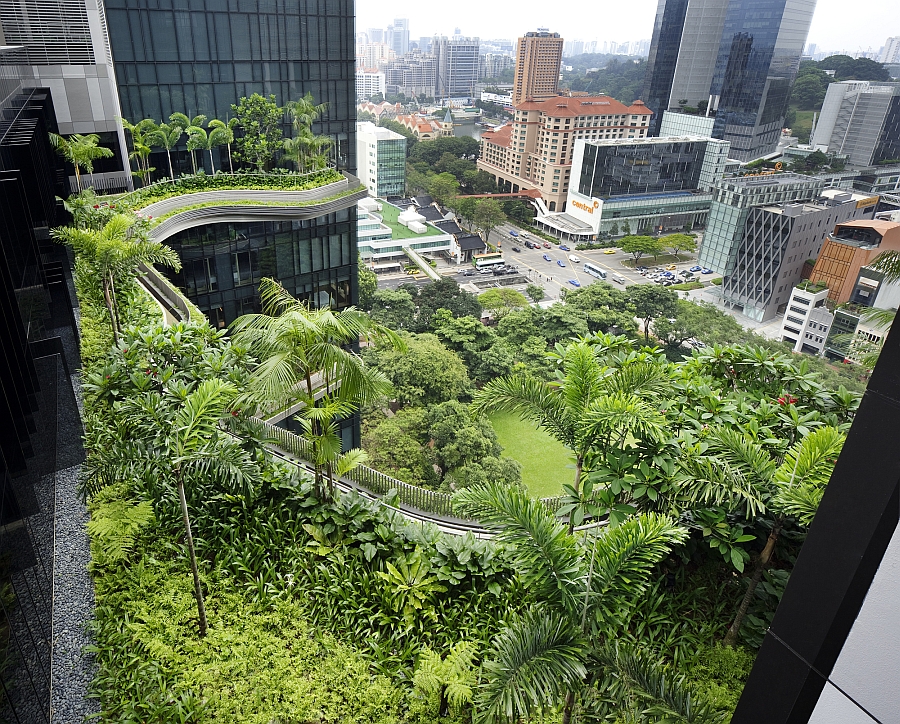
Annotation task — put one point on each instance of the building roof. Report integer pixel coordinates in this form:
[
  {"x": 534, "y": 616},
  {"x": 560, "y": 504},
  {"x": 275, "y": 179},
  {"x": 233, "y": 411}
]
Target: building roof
[
  {"x": 500, "y": 137},
  {"x": 430, "y": 213},
  {"x": 882, "y": 227},
  {"x": 449, "y": 227},
  {"x": 422, "y": 200},
  {"x": 470, "y": 242},
  {"x": 584, "y": 105},
  {"x": 379, "y": 132}
]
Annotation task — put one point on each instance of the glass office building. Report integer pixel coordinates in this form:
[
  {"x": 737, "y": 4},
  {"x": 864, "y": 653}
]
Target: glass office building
[
  {"x": 759, "y": 55},
  {"x": 200, "y": 56}
]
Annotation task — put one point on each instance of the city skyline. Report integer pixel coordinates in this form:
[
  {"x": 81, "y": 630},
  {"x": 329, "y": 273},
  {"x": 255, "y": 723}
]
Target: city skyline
[{"x": 832, "y": 29}]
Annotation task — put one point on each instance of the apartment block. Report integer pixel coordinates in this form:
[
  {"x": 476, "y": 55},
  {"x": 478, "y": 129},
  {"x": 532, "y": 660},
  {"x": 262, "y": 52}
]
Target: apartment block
[
  {"x": 807, "y": 321},
  {"x": 369, "y": 82},
  {"x": 457, "y": 62},
  {"x": 777, "y": 241},
  {"x": 538, "y": 60},
  {"x": 413, "y": 75},
  {"x": 381, "y": 160},
  {"x": 535, "y": 151}
]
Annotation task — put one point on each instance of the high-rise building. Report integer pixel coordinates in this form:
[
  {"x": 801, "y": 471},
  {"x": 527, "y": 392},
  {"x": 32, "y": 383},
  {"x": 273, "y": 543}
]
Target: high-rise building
[
  {"x": 457, "y": 66},
  {"x": 204, "y": 56},
  {"x": 413, "y": 75},
  {"x": 369, "y": 82},
  {"x": 535, "y": 151},
  {"x": 398, "y": 36},
  {"x": 373, "y": 55},
  {"x": 890, "y": 53},
  {"x": 493, "y": 64},
  {"x": 538, "y": 59},
  {"x": 381, "y": 156},
  {"x": 861, "y": 120},
  {"x": 376, "y": 35},
  {"x": 66, "y": 45},
  {"x": 738, "y": 58}
]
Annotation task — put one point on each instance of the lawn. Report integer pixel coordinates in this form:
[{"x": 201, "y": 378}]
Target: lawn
[
  {"x": 389, "y": 214},
  {"x": 546, "y": 464}
]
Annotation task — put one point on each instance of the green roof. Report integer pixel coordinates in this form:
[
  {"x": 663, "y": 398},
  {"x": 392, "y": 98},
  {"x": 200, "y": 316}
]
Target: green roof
[{"x": 389, "y": 214}]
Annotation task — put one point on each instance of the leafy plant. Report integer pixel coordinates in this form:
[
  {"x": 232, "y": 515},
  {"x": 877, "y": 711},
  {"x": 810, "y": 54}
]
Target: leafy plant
[{"x": 453, "y": 678}]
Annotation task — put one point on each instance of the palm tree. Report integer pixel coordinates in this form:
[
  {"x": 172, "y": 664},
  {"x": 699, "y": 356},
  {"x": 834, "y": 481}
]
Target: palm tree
[
  {"x": 306, "y": 148},
  {"x": 141, "y": 146},
  {"x": 542, "y": 658},
  {"x": 167, "y": 136},
  {"x": 305, "y": 111},
  {"x": 589, "y": 406},
  {"x": 114, "y": 252},
  {"x": 305, "y": 358},
  {"x": 228, "y": 129},
  {"x": 201, "y": 139},
  {"x": 738, "y": 474},
  {"x": 184, "y": 123},
  {"x": 81, "y": 151}
]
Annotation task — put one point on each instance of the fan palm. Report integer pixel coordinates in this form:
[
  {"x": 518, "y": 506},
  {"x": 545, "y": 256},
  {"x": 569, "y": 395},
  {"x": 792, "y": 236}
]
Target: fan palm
[
  {"x": 81, "y": 151},
  {"x": 167, "y": 137},
  {"x": 581, "y": 588},
  {"x": 304, "y": 356},
  {"x": 115, "y": 253},
  {"x": 736, "y": 473},
  {"x": 590, "y": 406}
]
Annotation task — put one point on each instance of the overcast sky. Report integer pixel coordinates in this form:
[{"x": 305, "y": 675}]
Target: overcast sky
[{"x": 837, "y": 25}]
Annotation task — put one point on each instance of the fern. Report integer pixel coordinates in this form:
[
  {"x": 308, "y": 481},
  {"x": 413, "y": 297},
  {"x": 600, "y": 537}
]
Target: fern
[
  {"x": 453, "y": 677},
  {"x": 115, "y": 526}
]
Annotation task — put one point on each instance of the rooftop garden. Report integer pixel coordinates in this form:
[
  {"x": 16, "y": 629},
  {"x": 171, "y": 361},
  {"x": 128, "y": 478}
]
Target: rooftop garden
[
  {"x": 235, "y": 585},
  {"x": 812, "y": 287},
  {"x": 389, "y": 214}
]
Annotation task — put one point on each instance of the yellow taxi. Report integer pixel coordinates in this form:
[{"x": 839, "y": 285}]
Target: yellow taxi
[
  {"x": 671, "y": 267},
  {"x": 609, "y": 251}
]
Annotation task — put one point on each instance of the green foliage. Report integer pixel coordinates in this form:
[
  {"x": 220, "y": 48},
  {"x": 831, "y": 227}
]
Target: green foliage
[
  {"x": 259, "y": 119},
  {"x": 488, "y": 216},
  {"x": 451, "y": 679},
  {"x": 411, "y": 588},
  {"x": 637, "y": 246},
  {"x": 433, "y": 150},
  {"x": 115, "y": 526},
  {"x": 368, "y": 284},
  {"x": 475, "y": 343},
  {"x": 623, "y": 79},
  {"x": 535, "y": 293},
  {"x": 502, "y": 301},
  {"x": 442, "y": 187},
  {"x": 652, "y": 302},
  {"x": 719, "y": 673}
]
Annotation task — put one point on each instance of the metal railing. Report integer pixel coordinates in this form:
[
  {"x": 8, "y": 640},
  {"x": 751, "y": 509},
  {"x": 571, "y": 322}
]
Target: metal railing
[{"x": 427, "y": 502}]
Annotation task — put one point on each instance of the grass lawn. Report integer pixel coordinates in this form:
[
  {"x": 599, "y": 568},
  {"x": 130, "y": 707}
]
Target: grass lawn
[
  {"x": 662, "y": 259},
  {"x": 546, "y": 464},
  {"x": 390, "y": 213},
  {"x": 803, "y": 125}
]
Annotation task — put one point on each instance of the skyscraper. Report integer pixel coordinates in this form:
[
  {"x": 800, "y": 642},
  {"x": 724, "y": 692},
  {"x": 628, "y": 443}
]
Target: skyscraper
[
  {"x": 735, "y": 58},
  {"x": 538, "y": 58},
  {"x": 399, "y": 36},
  {"x": 457, "y": 65},
  {"x": 206, "y": 55}
]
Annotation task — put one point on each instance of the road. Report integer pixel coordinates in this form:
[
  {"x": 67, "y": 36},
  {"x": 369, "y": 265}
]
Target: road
[{"x": 548, "y": 274}]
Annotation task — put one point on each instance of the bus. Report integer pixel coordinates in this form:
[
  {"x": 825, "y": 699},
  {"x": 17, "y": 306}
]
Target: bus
[
  {"x": 486, "y": 261},
  {"x": 594, "y": 270}
]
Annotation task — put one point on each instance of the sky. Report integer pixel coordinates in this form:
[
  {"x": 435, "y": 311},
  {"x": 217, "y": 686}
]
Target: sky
[{"x": 835, "y": 26}]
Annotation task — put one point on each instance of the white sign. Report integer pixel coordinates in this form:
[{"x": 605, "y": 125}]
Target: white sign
[{"x": 585, "y": 208}]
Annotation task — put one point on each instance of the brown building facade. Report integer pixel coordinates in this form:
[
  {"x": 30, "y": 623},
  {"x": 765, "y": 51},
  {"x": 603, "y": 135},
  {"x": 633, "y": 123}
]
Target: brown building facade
[
  {"x": 848, "y": 249},
  {"x": 535, "y": 151},
  {"x": 538, "y": 60}
]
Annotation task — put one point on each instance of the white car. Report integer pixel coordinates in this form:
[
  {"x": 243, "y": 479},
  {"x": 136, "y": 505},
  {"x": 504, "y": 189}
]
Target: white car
[
  {"x": 523, "y": 234},
  {"x": 574, "y": 258}
]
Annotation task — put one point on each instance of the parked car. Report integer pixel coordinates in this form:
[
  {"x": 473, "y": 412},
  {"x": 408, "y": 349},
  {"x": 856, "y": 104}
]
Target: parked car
[
  {"x": 560, "y": 262},
  {"x": 546, "y": 244},
  {"x": 609, "y": 251},
  {"x": 695, "y": 268},
  {"x": 514, "y": 233},
  {"x": 641, "y": 268},
  {"x": 563, "y": 247},
  {"x": 547, "y": 257},
  {"x": 707, "y": 271},
  {"x": 523, "y": 234},
  {"x": 685, "y": 273},
  {"x": 574, "y": 258},
  {"x": 671, "y": 267},
  {"x": 574, "y": 282},
  {"x": 515, "y": 248},
  {"x": 485, "y": 271},
  {"x": 466, "y": 273},
  {"x": 529, "y": 245}
]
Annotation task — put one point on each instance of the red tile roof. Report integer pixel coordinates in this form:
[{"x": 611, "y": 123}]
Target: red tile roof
[
  {"x": 500, "y": 137},
  {"x": 584, "y": 105}
]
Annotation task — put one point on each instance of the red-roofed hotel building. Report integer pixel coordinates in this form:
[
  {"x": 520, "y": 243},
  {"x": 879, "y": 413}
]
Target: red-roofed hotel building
[{"x": 535, "y": 150}]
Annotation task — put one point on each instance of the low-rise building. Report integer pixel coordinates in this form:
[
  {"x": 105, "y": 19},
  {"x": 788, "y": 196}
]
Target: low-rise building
[
  {"x": 807, "y": 320},
  {"x": 369, "y": 82},
  {"x": 380, "y": 160},
  {"x": 385, "y": 230},
  {"x": 535, "y": 151}
]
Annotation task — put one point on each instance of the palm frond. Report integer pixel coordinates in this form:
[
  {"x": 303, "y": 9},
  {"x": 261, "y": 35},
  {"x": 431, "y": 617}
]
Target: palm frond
[
  {"x": 805, "y": 472},
  {"x": 530, "y": 666},
  {"x": 741, "y": 453},
  {"x": 711, "y": 480},
  {"x": 620, "y": 415}
]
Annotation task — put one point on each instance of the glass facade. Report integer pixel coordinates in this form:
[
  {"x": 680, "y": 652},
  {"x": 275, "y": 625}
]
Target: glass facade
[
  {"x": 222, "y": 264},
  {"x": 641, "y": 168},
  {"x": 391, "y": 171},
  {"x": 200, "y": 56},
  {"x": 664, "y": 49},
  {"x": 759, "y": 55}
]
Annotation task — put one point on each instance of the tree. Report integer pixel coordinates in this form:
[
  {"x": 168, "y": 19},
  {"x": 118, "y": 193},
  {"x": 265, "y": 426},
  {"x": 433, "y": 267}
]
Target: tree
[
  {"x": 228, "y": 131},
  {"x": 200, "y": 138},
  {"x": 393, "y": 308},
  {"x": 445, "y": 294},
  {"x": 809, "y": 91},
  {"x": 701, "y": 321},
  {"x": 443, "y": 187},
  {"x": 679, "y": 242},
  {"x": 141, "y": 146},
  {"x": 738, "y": 475},
  {"x": 637, "y": 246},
  {"x": 541, "y": 658},
  {"x": 259, "y": 119},
  {"x": 464, "y": 208},
  {"x": 585, "y": 409},
  {"x": 306, "y": 149},
  {"x": 502, "y": 301},
  {"x": 651, "y": 302},
  {"x": 305, "y": 358},
  {"x": 368, "y": 285},
  {"x": 114, "y": 253},
  {"x": 535, "y": 292},
  {"x": 425, "y": 373},
  {"x": 167, "y": 136},
  {"x": 180, "y": 120},
  {"x": 81, "y": 151},
  {"x": 488, "y": 216},
  {"x": 475, "y": 343}
]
